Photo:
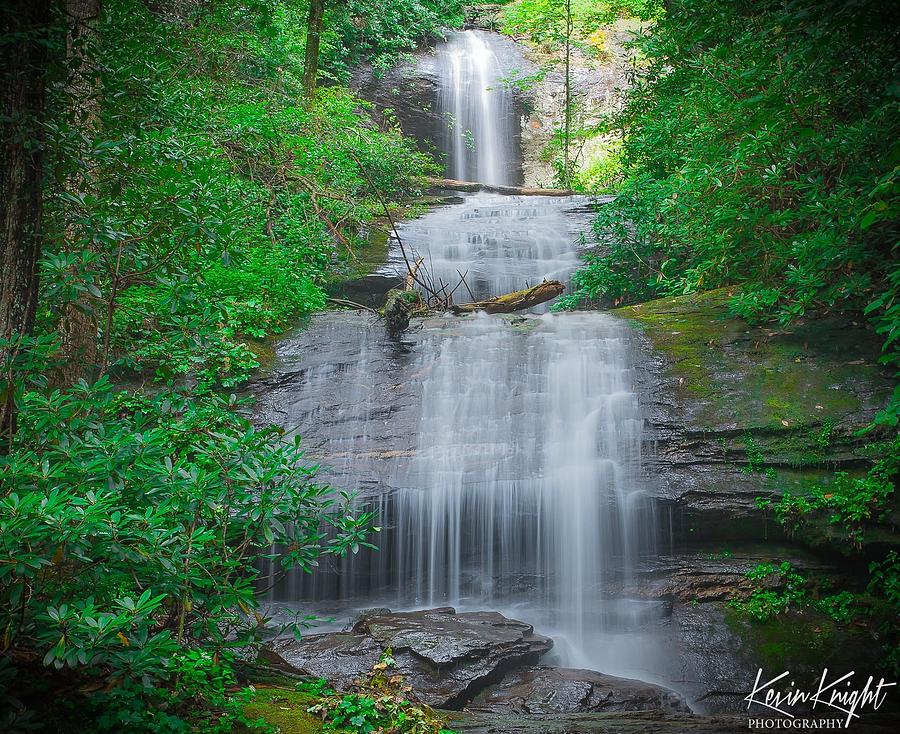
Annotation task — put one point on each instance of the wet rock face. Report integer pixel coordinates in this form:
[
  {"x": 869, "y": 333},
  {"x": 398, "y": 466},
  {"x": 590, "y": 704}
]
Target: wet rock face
[
  {"x": 709, "y": 577},
  {"x": 340, "y": 657},
  {"x": 409, "y": 93},
  {"x": 548, "y": 690},
  {"x": 728, "y": 405},
  {"x": 355, "y": 416},
  {"x": 445, "y": 657}
]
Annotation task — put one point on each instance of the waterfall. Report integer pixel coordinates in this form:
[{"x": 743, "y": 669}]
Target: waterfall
[
  {"x": 502, "y": 454},
  {"x": 526, "y": 469},
  {"x": 500, "y": 243},
  {"x": 476, "y": 107}
]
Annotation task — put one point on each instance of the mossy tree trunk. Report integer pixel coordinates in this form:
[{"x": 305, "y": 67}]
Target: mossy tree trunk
[
  {"x": 313, "y": 37},
  {"x": 515, "y": 301},
  {"x": 78, "y": 323}
]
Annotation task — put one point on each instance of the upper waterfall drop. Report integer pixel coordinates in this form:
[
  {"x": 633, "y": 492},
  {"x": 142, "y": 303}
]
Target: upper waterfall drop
[{"x": 476, "y": 106}]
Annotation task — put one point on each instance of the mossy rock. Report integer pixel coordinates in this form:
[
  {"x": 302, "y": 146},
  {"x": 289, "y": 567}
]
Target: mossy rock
[
  {"x": 804, "y": 642},
  {"x": 799, "y": 390},
  {"x": 285, "y": 710},
  {"x": 399, "y": 308}
]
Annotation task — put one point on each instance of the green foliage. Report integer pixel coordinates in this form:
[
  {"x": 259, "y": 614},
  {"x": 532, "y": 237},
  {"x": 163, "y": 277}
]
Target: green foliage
[
  {"x": 217, "y": 206},
  {"x": 780, "y": 588},
  {"x": 885, "y": 578},
  {"x": 130, "y": 526},
  {"x": 381, "y": 31},
  {"x": 317, "y": 687},
  {"x": 755, "y": 458},
  {"x": 601, "y": 173},
  {"x": 544, "y": 21},
  {"x": 848, "y": 502},
  {"x": 766, "y": 602},
  {"x": 884, "y": 584},
  {"x": 204, "y": 697},
  {"x": 840, "y": 606},
  {"x": 762, "y": 152},
  {"x": 381, "y": 704},
  {"x": 851, "y": 504}
]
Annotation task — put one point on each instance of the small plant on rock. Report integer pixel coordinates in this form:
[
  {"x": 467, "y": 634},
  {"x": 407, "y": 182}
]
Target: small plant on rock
[{"x": 379, "y": 704}]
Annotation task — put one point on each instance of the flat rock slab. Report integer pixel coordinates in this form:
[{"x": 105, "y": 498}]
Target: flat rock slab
[
  {"x": 445, "y": 657},
  {"x": 548, "y": 690}
]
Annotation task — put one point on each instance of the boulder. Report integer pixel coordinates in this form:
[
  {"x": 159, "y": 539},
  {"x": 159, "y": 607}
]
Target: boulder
[
  {"x": 445, "y": 657},
  {"x": 548, "y": 690}
]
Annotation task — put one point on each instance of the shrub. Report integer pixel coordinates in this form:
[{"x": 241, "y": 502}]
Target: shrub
[
  {"x": 380, "y": 703},
  {"x": 761, "y": 152},
  {"x": 130, "y": 526}
]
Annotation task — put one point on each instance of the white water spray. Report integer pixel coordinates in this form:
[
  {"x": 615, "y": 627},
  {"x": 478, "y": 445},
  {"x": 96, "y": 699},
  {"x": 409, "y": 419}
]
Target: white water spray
[{"x": 476, "y": 106}]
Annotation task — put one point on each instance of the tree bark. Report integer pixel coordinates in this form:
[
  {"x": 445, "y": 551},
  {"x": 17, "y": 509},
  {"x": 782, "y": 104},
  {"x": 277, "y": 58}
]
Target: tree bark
[
  {"x": 24, "y": 57},
  {"x": 313, "y": 36},
  {"x": 515, "y": 301},
  {"x": 79, "y": 319}
]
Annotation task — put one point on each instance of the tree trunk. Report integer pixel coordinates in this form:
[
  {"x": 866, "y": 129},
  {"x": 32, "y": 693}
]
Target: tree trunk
[
  {"x": 515, "y": 301},
  {"x": 313, "y": 36},
  {"x": 24, "y": 58},
  {"x": 78, "y": 323}
]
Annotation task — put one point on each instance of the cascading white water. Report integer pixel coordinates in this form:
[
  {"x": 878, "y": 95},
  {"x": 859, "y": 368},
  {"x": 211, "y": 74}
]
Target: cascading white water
[
  {"x": 519, "y": 488},
  {"x": 516, "y": 486},
  {"x": 475, "y": 106},
  {"x": 526, "y": 471},
  {"x": 500, "y": 243}
]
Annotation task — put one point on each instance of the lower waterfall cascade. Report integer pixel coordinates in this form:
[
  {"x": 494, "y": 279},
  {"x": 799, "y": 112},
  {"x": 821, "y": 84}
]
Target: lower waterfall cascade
[{"x": 521, "y": 487}]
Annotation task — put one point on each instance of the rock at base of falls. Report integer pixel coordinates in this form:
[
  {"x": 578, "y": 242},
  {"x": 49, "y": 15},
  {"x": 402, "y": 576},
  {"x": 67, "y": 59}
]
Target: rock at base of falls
[
  {"x": 548, "y": 690},
  {"x": 445, "y": 657},
  {"x": 478, "y": 659}
]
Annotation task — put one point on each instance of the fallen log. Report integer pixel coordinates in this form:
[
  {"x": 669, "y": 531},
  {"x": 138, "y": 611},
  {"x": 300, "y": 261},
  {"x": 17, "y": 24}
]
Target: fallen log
[
  {"x": 515, "y": 301},
  {"x": 471, "y": 186}
]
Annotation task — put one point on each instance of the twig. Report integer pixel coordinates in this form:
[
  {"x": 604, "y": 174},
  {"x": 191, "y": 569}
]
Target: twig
[
  {"x": 354, "y": 304},
  {"x": 462, "y": 277},
  {"x": 390, "y": 219},
  {"x": 410, "y": 279}
]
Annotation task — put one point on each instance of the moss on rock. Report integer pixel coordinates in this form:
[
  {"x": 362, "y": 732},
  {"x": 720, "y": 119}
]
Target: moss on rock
[
  {"x": 285, "y": 710},
  {"x": 799, "y": 391}
]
